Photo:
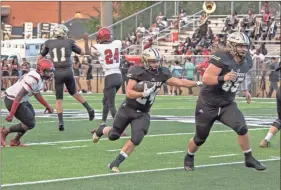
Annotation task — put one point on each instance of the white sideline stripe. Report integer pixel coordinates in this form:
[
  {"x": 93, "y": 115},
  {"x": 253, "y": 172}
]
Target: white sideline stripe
[
  {"x": 124, "y": 173},
  {"x": 223, "y": 155},
  {"x": 173, "y": 152},
  {"x": 69, "y": 147},
  {"x": 114, "y": 150},
  {"x": 128, "y": 137}
]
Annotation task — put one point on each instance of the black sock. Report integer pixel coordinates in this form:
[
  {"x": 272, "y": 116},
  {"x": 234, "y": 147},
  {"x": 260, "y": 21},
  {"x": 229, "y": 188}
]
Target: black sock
[
  {"x": 16, "y": 128},
  {"x": 60, "y": 117},
  {"x": 248, "y": 154},
  {"x": 120, "y": 158},
  {"x": 87, "y": 106}
]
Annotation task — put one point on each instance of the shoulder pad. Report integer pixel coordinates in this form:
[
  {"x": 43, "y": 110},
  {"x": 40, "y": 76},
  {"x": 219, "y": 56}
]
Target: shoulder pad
[
  {"x": 249, "y": 60},
  {"x": 219, "y": 58},
  {"x": 134, "y": 72}
]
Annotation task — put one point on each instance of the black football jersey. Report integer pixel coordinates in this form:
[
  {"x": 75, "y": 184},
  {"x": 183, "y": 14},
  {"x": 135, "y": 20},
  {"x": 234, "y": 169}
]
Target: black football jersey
[
  {"x": 60, "y": 52},
  {"x": 224, "y": 93},
  {"x": 138, "y": 74}
]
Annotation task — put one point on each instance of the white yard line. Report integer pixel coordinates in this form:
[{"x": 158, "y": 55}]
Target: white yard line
[
  {"x": 125, "y": 173},
  {"x": 70, "y": 147},
  {"x": 128, "y": 137},
  {"x": 114, "y": 150},
  {"x": 223, "y": 155},
  {"x": 173, "y": 152}
]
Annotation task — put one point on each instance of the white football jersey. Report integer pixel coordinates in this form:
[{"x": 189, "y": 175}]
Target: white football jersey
[
  {"x": 109, "y": 56},
  {"x": 31, "y": 82}
]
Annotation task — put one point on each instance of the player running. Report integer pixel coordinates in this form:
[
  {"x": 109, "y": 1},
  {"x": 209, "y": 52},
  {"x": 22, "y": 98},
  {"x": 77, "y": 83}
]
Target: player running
[
  {"x": 108, "y": 52},
  {"x": 222, "y": 78},
  {"x": 135, "y": 108},
  {"x": 17, "y": 101}
]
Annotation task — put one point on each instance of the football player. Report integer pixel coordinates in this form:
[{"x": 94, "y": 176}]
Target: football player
[
  {"x": 135, "y": 108},
  {"x": 227, "y": 70},
  {"x": 108, "y": 52},
  {"x": 17, "y": 101},
  {"x": 60, "y": 49},
  {"x": 276, "y": 125}
]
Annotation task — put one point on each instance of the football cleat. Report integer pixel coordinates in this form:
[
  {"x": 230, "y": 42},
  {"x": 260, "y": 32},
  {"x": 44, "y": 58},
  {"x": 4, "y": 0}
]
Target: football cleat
[
  {"x": 91, "y": 114},
  {"x": 264, "y": 143},
  {"x": 98, "y": 133},
  {"x": 61, "y": 126},
  {"x": 253, "y": 163},
  {"x": 16, "y": 143},
  {"x": 3, "y": 137},
  {"x": 189, "y": 163},
  {"x": 114, "y": 169}
]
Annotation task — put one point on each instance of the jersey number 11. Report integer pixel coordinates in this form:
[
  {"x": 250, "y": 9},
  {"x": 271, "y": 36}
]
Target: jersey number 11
[{"x": 62, "y": 58}]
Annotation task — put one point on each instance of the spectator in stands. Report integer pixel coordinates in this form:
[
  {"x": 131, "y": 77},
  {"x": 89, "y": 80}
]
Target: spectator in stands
[
  {"x": 252, "y": 49},
  {"x": 132, "y": 38},
  {"x": 148, "y": 44},
  {"x": 189, "y": 71},
  {"x": 263, "y": 49},
  {"x": 14, "y": 71},
  {"x": 273, "y": 76},
  {"x": 178, "y": 51},
  {"x": 234, "y": 20},
  {"x": 203, "y": 66},
  {"x": 251, "y": 18},
  {"x": 159, "y": 18},
  {"x": 177, "y": 73},
  {"x": 272, "y": 28},
  {"x": 183, "y": 16},
  {"x": 210, "y": 35},
  {"x": 140, "y": 32},
  {"x": 163, "y": 24},
  {"x": 187, "y": 42},
  {"x": 258, "y": 61},
  {"x": 5, "y": 74},
  {"x": 205, "y": 51},
  {"x": 189, "y": 51},
  {"x": 265, "y": 7}
]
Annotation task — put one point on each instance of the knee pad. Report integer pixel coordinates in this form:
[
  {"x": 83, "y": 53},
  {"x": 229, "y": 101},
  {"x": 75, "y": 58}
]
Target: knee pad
[
  {"x": 241, "y": 130},
  {"x": 113, "y": 135},
  {"x": 136, "y": 140},
  {"x": 277, "y": 124},
  {"x": 198, "y": 141}
]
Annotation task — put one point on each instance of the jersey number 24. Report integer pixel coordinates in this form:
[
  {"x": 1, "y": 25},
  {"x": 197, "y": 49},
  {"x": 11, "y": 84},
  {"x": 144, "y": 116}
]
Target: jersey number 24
[{"x": 109, "y": 56}]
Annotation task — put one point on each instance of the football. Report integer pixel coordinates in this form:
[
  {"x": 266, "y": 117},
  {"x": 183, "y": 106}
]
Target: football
[{"x": 139, "y": 87}]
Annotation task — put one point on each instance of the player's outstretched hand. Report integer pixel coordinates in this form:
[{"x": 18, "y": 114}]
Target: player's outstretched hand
[
  {"x": 49, "y": 110},
  {"x": 148, "y": 91},
  {"x": 231, "y": 76}
]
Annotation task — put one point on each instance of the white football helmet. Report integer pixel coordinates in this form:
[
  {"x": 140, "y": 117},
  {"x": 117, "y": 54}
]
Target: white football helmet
[
  {"x": 60, "y": 31},
  {"x": 237, "y": 38},
  {"x": 150, "y": 55}
]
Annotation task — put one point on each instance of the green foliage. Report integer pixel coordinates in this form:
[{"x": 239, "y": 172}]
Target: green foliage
[{"x": 121, "y": 9}]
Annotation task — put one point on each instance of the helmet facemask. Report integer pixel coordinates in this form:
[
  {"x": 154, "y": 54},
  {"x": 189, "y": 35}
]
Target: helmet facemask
[{"x": 238, "y": 50}]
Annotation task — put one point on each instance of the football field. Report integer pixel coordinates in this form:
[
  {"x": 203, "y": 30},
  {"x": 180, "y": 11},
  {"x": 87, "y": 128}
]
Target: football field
[{"x": 69, "y": 160}]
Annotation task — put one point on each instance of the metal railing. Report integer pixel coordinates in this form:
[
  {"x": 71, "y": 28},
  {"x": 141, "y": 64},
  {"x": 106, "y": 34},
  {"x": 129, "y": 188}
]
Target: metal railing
[{"x": 146, "y": 16}]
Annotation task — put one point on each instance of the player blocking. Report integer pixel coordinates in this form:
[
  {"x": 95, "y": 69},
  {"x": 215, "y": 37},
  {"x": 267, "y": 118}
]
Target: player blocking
[{"x": 17, "y": 101}]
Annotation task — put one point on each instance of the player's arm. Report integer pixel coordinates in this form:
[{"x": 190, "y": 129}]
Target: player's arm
[
  {"x": 16, "y": 104},
  {"x": 132, "y": 94},
  {"x": 76, "y": 49},
  {"x": 44, "y": 52},
  {"x": 42, "y": 101},
  {"x": 182, "y": 83}
]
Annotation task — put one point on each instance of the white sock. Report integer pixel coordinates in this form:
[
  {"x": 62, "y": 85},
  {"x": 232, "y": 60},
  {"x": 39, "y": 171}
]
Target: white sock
[
  {"x": 268, "y": 136},
  {"x": 247, "y": 151},
  {"x": 124, "y": 154},
  {"x": 190, "y": 153}
]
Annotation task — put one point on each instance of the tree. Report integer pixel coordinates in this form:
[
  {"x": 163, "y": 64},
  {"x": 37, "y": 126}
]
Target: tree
[{"x": 121, "y": 10}]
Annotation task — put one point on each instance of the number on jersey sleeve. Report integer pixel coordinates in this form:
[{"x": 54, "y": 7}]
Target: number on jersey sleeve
[{"x": 109, "y": 57}]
